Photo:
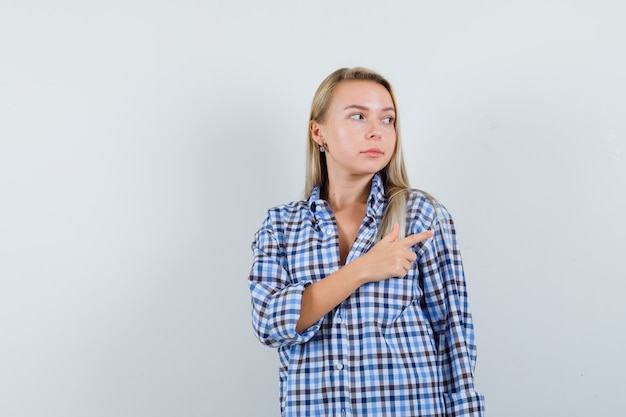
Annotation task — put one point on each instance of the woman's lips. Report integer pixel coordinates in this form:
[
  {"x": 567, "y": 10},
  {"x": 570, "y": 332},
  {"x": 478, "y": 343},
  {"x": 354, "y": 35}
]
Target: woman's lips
[{"x": 372, "y": 152}]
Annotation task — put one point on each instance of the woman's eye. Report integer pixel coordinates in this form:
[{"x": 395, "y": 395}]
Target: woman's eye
[
  {"x": 356, "y": 116},
  {"x": 388, "y": 120}
]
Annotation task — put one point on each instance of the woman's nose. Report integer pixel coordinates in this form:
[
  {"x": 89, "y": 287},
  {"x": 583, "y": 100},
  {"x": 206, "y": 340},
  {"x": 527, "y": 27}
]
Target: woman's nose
[{"x": 374, "y": 131}]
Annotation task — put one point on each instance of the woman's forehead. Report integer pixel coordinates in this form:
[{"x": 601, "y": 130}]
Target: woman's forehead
[{"x": 361, "y": 92}]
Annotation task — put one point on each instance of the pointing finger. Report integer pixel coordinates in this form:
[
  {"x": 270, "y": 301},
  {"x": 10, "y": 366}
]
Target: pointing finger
[{"x": 416, "y": 238}]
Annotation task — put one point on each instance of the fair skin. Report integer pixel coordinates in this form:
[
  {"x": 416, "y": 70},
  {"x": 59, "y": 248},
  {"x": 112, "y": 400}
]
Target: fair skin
[{"x": 359, "y": 136}]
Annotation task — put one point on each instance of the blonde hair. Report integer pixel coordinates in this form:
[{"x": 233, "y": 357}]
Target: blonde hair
[{"x": 393, "y": 176}]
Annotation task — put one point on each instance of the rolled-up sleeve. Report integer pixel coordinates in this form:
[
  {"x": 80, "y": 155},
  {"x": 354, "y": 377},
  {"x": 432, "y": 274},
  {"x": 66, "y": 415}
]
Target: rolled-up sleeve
[
  {"x": 276, "y": 300},
  {"x": 447, "y": 307}
]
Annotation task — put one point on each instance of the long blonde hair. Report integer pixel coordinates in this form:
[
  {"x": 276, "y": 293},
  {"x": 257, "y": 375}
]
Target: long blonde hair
[{"x": 393, "y": 176}]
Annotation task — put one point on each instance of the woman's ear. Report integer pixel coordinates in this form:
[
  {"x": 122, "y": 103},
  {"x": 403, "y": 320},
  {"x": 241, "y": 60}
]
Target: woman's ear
[{"x": 316, "y": 132}]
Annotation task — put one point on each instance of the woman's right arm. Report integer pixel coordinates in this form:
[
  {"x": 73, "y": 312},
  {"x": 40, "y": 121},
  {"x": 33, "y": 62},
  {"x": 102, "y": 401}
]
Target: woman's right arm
[
  {"x": 388, "y": 258},
  {"x": 285, "y": 313}
]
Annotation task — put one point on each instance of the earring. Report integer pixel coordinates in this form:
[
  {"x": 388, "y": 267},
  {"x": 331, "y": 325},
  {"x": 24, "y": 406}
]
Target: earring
[{"x": 322, "y": 149}]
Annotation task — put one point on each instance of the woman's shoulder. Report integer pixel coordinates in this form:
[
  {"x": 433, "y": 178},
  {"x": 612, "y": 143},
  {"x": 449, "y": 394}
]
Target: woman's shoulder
[
  {"x": 281, "y": 219},
  {"x": 291, "y": 212},
  {"x": 426, "y": 207},
  {"x": 290, "y": 208},
  {"x": 423, "y": 199}
]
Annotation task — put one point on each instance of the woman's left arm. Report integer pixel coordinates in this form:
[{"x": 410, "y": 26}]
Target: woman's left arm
[{"x": 447, "y": 307}]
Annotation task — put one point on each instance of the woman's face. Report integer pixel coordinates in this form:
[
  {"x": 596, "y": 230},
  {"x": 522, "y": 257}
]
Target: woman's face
[{"x": 358, "y": 129}]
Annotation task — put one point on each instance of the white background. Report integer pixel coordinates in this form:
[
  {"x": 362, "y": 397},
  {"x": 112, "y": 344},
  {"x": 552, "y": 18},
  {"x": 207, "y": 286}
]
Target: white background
[{"x": 142, "y": 141}]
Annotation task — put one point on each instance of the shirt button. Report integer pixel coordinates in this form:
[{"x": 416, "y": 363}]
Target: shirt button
[
  {"x": 340, "y": 366},
  {"x": 339, "y": 320},
  {"x": 329, "y": 232}
]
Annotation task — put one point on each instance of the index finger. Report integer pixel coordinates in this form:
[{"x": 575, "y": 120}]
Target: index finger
[{"x": 416, "y": 238}]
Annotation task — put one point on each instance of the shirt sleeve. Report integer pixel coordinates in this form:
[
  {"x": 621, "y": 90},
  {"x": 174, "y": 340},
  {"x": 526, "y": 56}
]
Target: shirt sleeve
[
  {"x": 447, "y": 307},
  {"x": 276, "y": 300}
]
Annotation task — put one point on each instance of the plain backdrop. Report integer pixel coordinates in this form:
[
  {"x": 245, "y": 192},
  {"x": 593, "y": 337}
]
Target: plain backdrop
[{"x": 141, "y": 143}]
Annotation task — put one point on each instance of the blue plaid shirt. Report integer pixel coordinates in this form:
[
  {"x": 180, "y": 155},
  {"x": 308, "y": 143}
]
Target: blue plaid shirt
[{"x": 398, "y": 347}]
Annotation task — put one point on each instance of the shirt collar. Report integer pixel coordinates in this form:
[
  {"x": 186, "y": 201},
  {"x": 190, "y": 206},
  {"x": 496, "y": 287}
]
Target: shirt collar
[{"x": 375, "y": 201}]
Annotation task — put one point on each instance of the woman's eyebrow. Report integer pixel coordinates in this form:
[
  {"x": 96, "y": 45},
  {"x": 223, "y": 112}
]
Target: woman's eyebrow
[{"x": 359, "y": 107}]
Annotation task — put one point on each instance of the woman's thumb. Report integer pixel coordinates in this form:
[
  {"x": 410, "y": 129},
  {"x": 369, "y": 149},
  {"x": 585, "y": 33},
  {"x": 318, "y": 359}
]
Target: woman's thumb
[{"x": 393, "y": 235}]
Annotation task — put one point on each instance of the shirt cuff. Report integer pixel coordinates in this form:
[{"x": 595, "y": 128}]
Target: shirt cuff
[{"x": 465, "y": 404}]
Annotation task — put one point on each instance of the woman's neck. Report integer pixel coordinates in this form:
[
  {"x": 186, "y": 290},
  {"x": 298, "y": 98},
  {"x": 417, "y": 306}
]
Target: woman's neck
[{"x": 344, "y": 193}]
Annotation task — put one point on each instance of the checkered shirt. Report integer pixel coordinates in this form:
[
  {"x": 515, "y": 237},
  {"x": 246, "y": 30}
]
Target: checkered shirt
[{"x": 398, "y": 347}]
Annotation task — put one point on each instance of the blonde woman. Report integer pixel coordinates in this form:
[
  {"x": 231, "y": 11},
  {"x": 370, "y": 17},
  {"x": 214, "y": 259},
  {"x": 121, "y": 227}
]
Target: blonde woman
[{"x": 360, "y": 285}]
